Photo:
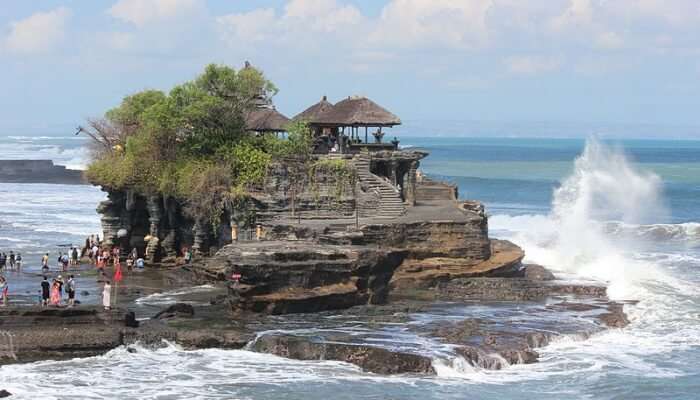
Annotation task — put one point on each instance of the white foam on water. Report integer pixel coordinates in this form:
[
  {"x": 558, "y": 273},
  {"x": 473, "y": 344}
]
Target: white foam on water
[
  {"x": 135, "y": 372},
  {"x": 171, "y": 296},
  {"x": 576, "y": 239}
]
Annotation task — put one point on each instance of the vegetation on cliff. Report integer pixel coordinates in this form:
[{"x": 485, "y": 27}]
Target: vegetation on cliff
[{"x": 191, "y": 143}]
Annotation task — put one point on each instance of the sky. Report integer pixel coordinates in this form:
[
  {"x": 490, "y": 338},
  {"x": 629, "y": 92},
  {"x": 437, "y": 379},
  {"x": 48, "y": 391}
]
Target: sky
[{"x": 470, "y": 67}]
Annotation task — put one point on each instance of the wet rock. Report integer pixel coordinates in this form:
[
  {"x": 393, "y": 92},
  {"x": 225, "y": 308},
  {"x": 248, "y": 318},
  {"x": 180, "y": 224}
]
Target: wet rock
[
  {"x": 460, "y": 332},
  {"x": 85, "y": 293},
  {"x": 512, "y": 289},
  {"x": 615, "y": 317},
  {"x": 210, "y": 338},
  {"x": 4, "y": 393},
  {"x": 537, "y": 273},
  {"x": 130, "y": 320},
  {"x": 60, "y": 333},
  {"x": 371, "y": 359},
  {"x": 177, "y": 310}
]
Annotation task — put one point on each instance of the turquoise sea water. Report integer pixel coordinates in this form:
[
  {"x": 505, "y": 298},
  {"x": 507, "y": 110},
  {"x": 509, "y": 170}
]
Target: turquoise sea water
[
  {"x": 625, "y": 212},
  {"x": 518, "y": 175}
]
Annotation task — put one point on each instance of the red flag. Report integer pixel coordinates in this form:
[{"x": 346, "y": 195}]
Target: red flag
[{"x": 118, "y": 273}]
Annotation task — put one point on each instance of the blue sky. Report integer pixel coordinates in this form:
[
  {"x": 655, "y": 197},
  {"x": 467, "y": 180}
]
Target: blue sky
[{"x": 500, "y": 67}]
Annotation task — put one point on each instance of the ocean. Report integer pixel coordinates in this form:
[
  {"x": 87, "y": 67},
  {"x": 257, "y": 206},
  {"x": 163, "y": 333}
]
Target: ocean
[{"x": 624, "y": 212}]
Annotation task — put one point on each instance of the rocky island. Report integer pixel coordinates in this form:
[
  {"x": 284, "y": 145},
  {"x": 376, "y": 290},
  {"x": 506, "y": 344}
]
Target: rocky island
[{"x": 314, "y": 239}]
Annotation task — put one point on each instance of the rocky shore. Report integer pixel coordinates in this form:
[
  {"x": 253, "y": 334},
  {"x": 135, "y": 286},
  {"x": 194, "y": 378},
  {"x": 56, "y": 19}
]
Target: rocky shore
[
  {"x": 418, "y": 293},
  {"x": 444, "y": 325}
]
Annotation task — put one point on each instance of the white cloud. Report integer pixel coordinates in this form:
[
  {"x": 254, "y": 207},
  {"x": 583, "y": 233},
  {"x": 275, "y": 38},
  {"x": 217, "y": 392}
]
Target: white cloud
[
  {"x": 609, "y": 40},
  {"x": 322, "y": 15},
  {"x": 38, "y": 33},
  {"x": 144, "y": 12},
  {"x": 532, "y": 65},
  {"x": 447, "y": 23},
  {"x": 253, "y": 26},
  {"x": 303, "y": 21},
  {"x": 578, "y": 15}
]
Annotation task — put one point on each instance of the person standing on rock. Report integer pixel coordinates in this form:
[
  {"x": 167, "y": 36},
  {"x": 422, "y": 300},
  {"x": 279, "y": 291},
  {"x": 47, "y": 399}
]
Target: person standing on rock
[
  {"x": 65, "y": 260},
  {"x": 74, "y": 256},
  {"x": 107, "y": 296},
  {"x": 18, "y": 262},
  {"x": 3, "y": 291},
  {"x": 95, "y": 252},
  {"x": 45, "y": 289},
  {"x": 12, "y": 260},
  {"x": 45, "y": 262},
  {"x": 55, "y": 299},
  {"x": 61, "y": 285},
  {"x": 70, "y": 289}
]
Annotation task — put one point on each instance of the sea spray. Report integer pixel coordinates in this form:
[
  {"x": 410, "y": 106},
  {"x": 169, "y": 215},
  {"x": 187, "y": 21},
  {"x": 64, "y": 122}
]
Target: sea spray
[{"x": 603, "y": 186}]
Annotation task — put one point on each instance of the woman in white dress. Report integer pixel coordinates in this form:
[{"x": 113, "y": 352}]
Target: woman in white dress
[{"x": 107, "y": 296}]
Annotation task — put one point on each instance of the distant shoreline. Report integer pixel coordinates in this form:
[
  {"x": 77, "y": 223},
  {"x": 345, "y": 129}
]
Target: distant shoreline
[{"x": 39, "y": 171}]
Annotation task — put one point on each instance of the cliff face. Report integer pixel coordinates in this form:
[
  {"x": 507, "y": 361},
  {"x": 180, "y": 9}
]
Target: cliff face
[
  {"x": 159, "y": 227},
  {"x": 311, "y": 243},
  {"x": 302, "y": 269}
]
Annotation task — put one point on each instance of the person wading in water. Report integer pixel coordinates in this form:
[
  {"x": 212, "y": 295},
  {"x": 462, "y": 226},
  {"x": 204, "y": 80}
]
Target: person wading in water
[
  {"x": 70, "y": 289},
  {"x": 45, "y": 289}
]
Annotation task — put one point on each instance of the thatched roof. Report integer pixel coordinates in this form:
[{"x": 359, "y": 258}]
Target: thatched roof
[
  {"x": 266, "y": 120},
  {"x": 357, "y": 111},
  {"x": 312, "y": 113}
]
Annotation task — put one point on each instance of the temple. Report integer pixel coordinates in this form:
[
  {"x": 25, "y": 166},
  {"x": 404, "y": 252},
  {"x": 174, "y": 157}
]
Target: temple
[
  {"x": 291, "y": 202},
  {"x": 353, "y": 130}
]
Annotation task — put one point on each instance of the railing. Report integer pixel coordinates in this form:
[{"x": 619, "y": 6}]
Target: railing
[{"x": 358, "y": 147}]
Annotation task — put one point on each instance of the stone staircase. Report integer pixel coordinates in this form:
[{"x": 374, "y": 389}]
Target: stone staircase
[{"x": 390, "y": 203}]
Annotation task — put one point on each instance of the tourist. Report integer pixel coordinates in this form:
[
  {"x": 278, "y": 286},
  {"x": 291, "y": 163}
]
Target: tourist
[
  {"x": 74, "y": 256},
  {"x": 95, "y": 252},
  {"x": 45, "y": 262},
  {"x": 188, "y": 256},
  {"x": 55, "y": 299},
  {"x": 134, "y": 253},
  {"x": 3, "y": 261},
  {"x": 107, "y": 296},
  {"x": 3, "y": 291},
  {"x": 129, "y": 263},
  {"x": 12, "y": 260},
  {"x": 45, "y": 288},
  {"x": 18, "y": 261},
  {"x": 61, "y": 283},
  {"x": 115, "y": 256},
  {"x": 70, "y": 289},
  {"x": 64, "y": 261}
]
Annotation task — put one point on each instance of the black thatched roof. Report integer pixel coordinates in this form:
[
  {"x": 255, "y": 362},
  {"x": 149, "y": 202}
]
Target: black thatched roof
[
  {"x": 266, "y": 120},
  {"x": 312, "y": 113},
  {"x": 357, "y": 111}
]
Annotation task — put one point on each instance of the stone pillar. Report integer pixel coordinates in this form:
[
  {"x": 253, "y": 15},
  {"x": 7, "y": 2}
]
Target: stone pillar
[
  {"x": 410, "y": 184},
  {"x": 393, "y": 166},
  {"x": 154, "y": 217},
  {"x": 168, "y": 243},
  {"x": 110, "y": 211},
  {"x": 200, "y": 238}
]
